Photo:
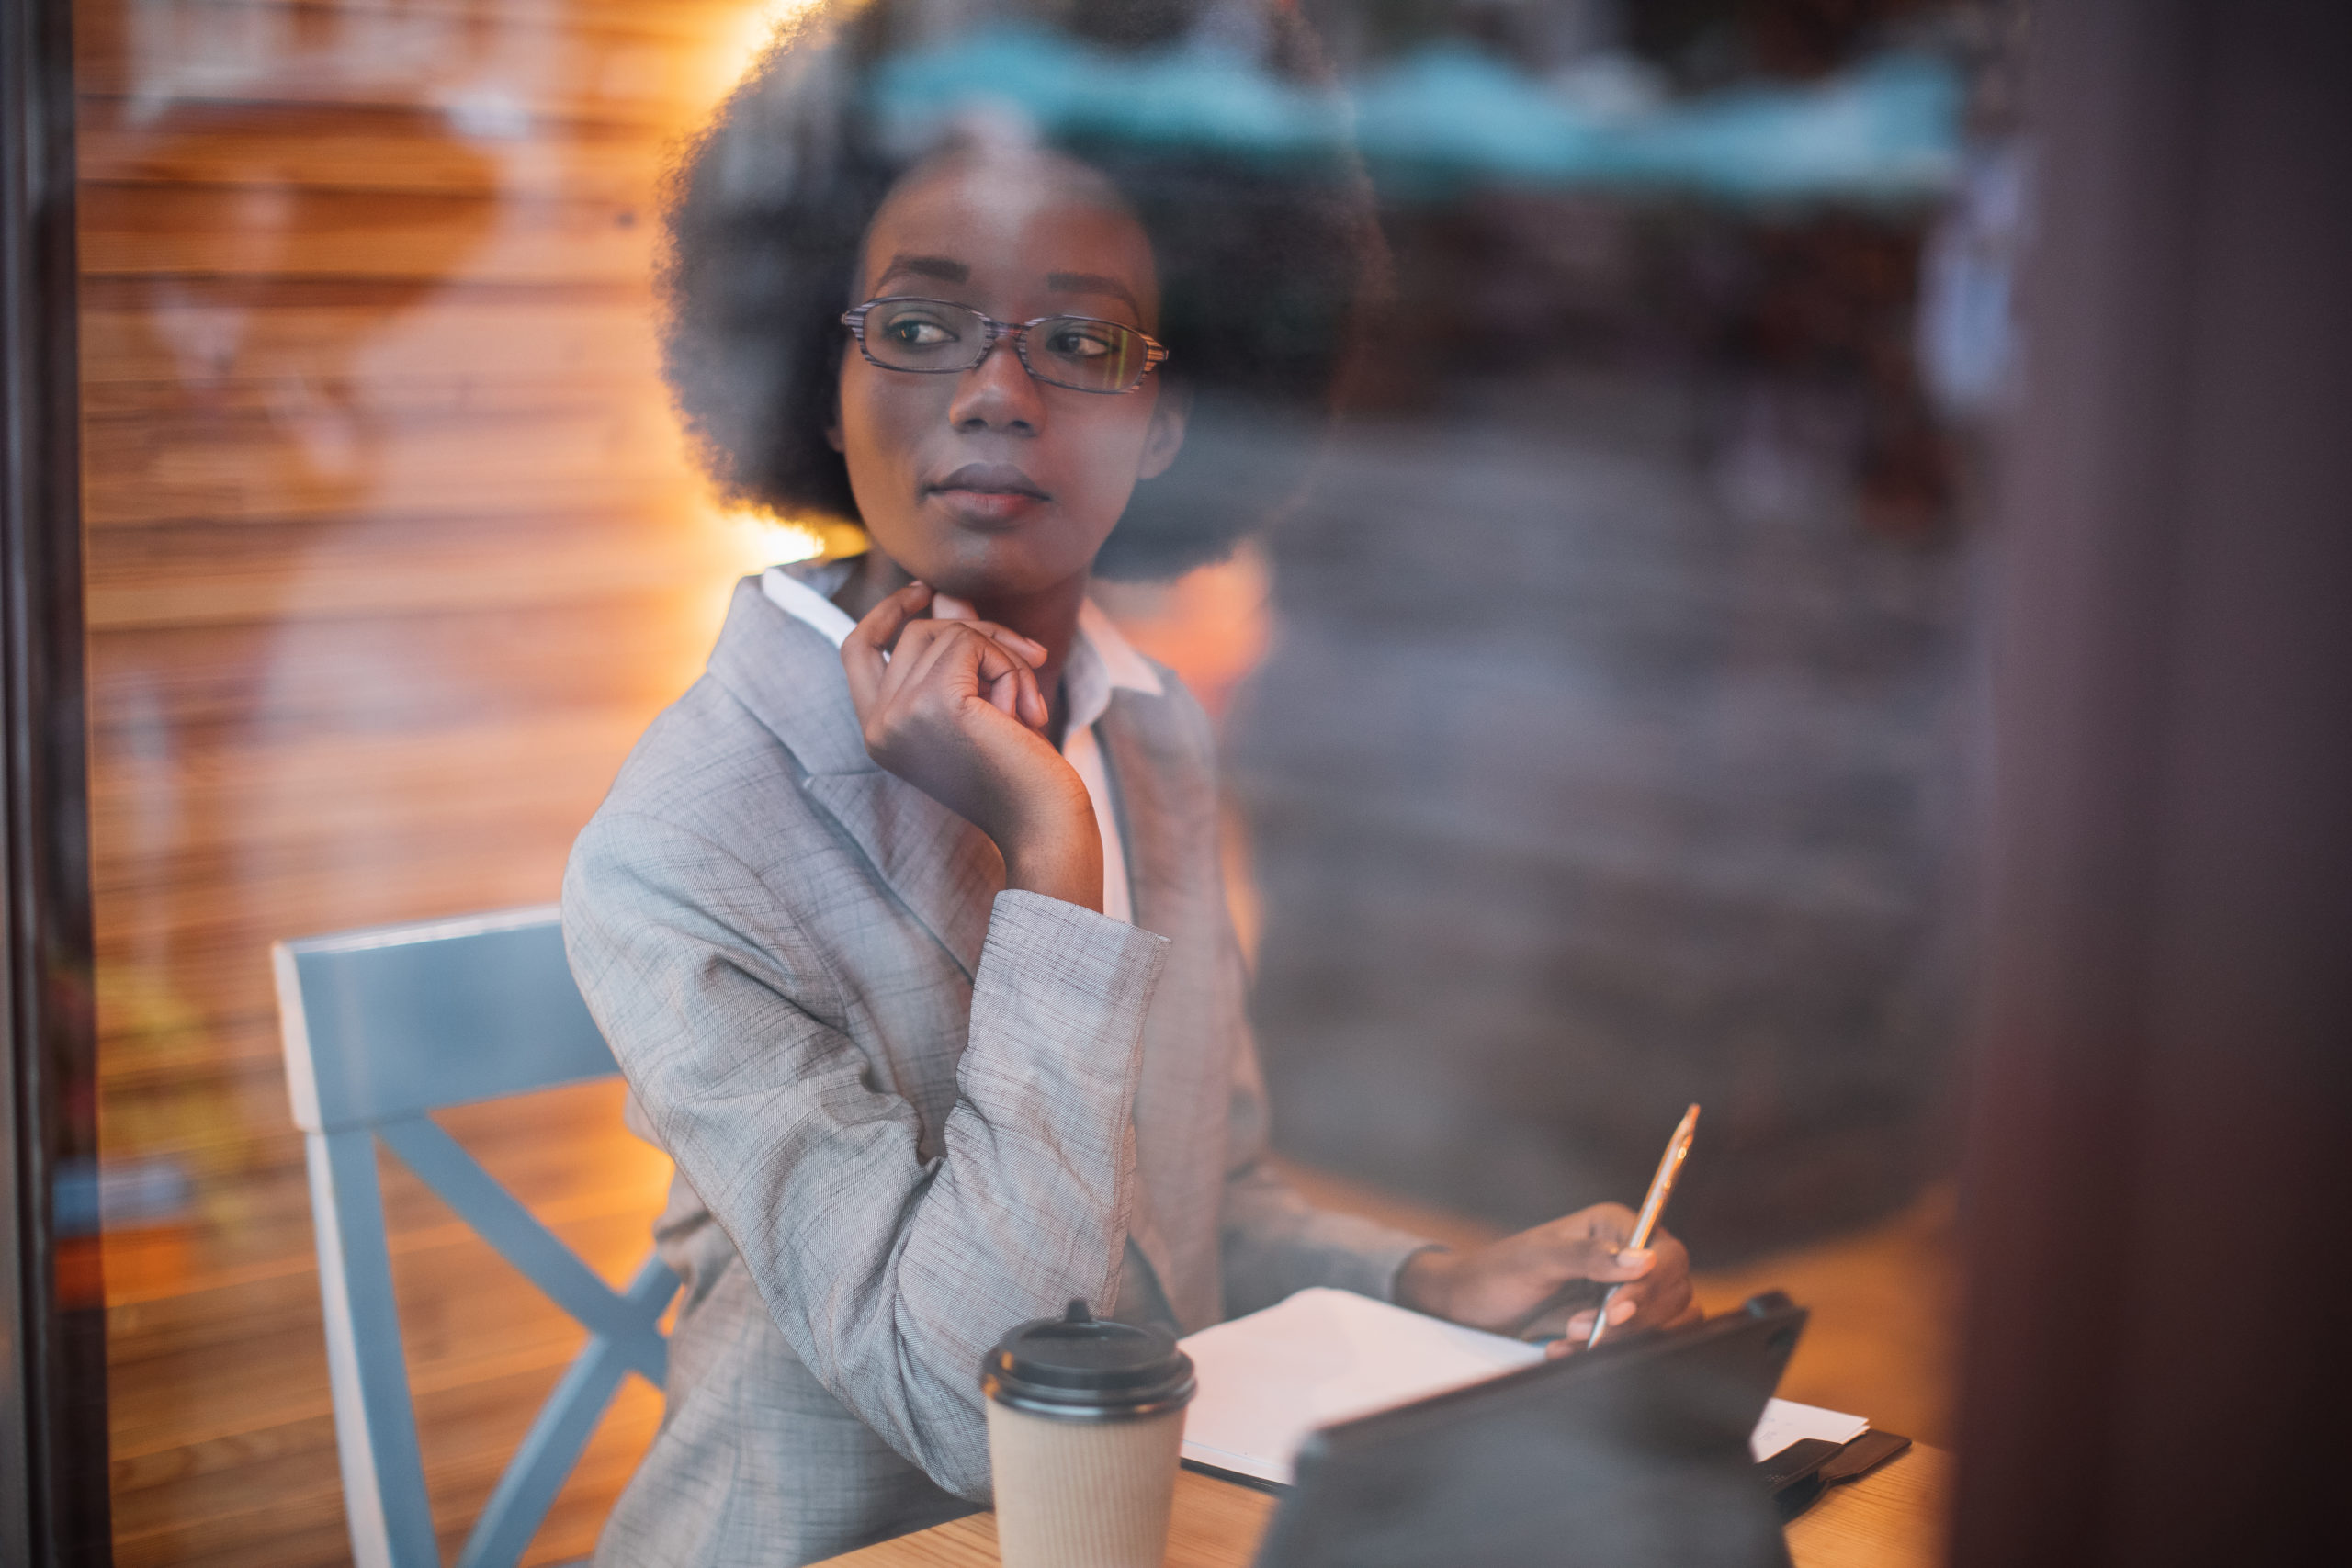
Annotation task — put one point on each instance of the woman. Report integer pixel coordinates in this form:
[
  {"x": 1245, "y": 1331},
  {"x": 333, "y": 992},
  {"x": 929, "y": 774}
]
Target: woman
[{"x": 905, "y": 922}]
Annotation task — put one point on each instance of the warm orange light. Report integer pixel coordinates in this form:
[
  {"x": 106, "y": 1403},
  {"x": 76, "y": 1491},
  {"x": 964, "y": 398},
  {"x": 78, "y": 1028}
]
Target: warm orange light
[
  {"x": 734, "y": 47},
  {"x": 757, "y": 540},
  {"x": 754, "y": 540}
]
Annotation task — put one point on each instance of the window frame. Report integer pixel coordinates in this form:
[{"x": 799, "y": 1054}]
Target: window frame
[{"x": 54, "y": 1472}]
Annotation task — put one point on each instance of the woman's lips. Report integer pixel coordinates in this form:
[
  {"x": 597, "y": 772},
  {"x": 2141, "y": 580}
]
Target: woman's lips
[{"x": 988, "y": 493}]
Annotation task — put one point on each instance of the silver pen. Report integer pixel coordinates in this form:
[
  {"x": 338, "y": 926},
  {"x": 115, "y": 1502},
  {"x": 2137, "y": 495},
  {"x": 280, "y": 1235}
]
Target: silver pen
[{"x": 1669, "y": 1166}]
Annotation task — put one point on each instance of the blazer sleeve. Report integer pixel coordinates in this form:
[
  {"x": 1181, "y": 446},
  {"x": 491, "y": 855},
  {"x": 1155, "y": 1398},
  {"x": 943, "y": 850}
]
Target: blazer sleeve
[
  {"x": 888, "y": 1273},
  {"x": 1272, "y": 1239}
]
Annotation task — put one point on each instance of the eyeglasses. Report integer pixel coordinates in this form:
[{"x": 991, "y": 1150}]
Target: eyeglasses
[{"x": 932, "y": 337}]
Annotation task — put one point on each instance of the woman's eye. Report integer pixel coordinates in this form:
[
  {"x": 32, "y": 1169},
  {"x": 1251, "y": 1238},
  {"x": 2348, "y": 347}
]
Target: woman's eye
[
  {"x": 1081, "y": 343},
  {"x": 918, "y": 333}
]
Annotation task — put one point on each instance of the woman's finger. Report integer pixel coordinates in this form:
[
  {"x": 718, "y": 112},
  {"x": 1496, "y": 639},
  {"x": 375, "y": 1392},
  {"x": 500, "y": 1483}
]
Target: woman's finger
[
  {"x": 970, "y": 661},
  {"x": 1602, "y": 1258},
  {"x": 1602, "y": 1222},
  {"x": 914, "y": 646},
  {"x": 870, "y": 651},
  {"x": 865, "y": 649},
  {"x": 1031, "y": 709},
  {"x": 1026, "y": 649},
  {"x": 1669, "y": 1308},
  {"x": 1620, "y": 1312},
  {"x": 1663, "y": 1298},
  {"x": 1017, "y": 694},
  {"x": 944, "y": 608},
  {"x": 928, "y": 647},
  {"x": 995, "y": 662},
  {"x": 1655, "y": 1306}
]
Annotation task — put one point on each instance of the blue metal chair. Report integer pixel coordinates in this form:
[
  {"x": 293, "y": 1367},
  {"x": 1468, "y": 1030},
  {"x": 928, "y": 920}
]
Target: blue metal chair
[{"x": 383, "y": 1027}]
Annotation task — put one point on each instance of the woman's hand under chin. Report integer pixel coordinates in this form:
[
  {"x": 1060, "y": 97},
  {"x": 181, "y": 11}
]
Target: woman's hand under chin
[
  {"x": 955, "y": 710},
  {"x": 1496, "y": 1286}
]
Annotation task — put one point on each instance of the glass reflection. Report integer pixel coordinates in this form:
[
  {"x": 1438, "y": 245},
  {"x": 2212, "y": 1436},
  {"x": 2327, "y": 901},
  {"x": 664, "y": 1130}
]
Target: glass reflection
[
  {"x": 1596, "y": 718},
  {"x": 392, "y": 548}
]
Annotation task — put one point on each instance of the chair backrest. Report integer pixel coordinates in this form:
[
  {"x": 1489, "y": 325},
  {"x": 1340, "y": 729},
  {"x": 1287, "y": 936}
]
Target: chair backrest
[{"x": 382, "y": 1026}]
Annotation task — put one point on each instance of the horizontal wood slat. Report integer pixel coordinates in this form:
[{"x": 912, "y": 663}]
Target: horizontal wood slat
[
  {"x": 198, "y": 573},
  {"x": 568, "y": 1157},
  {"x": 204, "y": 344},
  {"x": 228, "y": 685},
  {"x": 308, "y": 791},
  {"x": 498, "y": 74},
  {"x": 276, "y": 232},
  {"x": 692, "y": 20},
  {"x": 355, "y": 148},
  {"x": 332, "y": 465}
]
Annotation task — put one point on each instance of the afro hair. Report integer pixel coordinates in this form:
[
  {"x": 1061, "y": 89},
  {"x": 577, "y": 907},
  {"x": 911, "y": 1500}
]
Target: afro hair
[{"x": 1269, "y": 258}]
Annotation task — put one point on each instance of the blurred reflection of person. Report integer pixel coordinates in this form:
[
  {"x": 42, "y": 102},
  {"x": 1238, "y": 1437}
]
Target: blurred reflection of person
[{"x": 906, "y": 921}]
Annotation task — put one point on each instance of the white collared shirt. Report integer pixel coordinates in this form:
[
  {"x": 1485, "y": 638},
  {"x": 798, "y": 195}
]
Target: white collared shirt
[{"x": 1100, "y": 661}]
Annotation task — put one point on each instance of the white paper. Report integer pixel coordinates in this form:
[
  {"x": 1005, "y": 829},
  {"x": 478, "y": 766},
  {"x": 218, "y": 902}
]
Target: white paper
[
  {"x": 1786, "y": 1422},
  {"x": 1269, "y": 1379}
]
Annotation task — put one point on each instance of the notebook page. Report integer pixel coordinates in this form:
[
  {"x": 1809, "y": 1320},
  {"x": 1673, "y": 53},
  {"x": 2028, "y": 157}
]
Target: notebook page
[
  {"x": 1269, "y": 1379},
  {"x": 1786, "y": 1422}
]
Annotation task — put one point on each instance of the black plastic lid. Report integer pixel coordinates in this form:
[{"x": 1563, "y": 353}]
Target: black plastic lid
[{"x": 1080, "y": 1366}]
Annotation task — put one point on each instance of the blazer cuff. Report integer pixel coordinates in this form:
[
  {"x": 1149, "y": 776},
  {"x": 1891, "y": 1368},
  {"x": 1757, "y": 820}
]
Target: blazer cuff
[
  {"x": 1373, "y": 1271},
  {"x": 1063, "y": 990},
  {"x": 1405, "y": 1255}
]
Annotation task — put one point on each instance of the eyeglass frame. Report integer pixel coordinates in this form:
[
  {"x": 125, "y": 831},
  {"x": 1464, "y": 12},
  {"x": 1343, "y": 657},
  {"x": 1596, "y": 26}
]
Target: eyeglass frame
[{"x": 1154, "y": 352}]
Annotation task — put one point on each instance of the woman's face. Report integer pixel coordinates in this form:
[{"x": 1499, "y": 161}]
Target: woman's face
[{"x": 988, "y": 484}]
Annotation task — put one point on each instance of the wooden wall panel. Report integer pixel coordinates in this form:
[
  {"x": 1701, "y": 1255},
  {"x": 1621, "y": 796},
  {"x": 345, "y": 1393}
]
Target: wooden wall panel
[
  {"x": 613, "y": 64},
  {"x": 231, "y": 340},
  {"x": 298, "y": 232},
  {"x": 366, "y": 148},
  {"x": 392, "y": 552}
]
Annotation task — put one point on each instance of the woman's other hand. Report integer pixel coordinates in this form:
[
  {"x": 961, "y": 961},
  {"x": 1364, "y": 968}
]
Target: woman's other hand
[
  {"x": 1496, "y": 1286},
  {"x": 955, "y": 710}
]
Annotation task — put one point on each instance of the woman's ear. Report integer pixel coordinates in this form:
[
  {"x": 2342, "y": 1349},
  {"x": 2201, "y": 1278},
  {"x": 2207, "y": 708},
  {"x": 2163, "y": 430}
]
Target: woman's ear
[
  {"x": 1165, "y": 438},
  {"x": 833, "y": 426}
]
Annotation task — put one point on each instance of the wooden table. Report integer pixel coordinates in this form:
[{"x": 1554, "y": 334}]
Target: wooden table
[{"x": 1893, "y": 1517}]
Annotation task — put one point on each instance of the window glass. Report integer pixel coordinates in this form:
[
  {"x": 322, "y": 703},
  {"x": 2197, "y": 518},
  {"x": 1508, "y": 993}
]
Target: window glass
[
  {"x": 392, "y": 550},
  {"x": 1595, "y": 704}
]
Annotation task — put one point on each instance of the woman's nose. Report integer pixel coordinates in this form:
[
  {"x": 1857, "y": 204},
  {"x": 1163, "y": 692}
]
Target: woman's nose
[{"x": 998, "y": 394}]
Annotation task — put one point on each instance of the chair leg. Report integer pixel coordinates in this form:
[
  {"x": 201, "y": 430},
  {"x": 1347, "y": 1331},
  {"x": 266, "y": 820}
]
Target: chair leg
[
  {"x": 552, "y": 1446},
  {"x": 375, "y": 1427},
  {"x": 550, "y": 1451}
]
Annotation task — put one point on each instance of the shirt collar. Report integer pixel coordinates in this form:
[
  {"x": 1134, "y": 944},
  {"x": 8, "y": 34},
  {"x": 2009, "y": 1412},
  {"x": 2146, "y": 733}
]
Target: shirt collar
[
  {"x": 804, "y": 592},
  {"x": 1103, "y": 661},
  {"x": 1100, "y": 661}
]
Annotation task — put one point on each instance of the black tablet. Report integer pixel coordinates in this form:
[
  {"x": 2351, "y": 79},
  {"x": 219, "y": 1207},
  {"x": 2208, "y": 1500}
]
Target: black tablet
[{"x": 1633, "y": 1456}]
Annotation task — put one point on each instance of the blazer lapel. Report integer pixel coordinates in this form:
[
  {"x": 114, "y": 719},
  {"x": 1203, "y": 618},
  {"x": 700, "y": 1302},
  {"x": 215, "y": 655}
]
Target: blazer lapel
[
  {"x": 944, "y": 871},
  {"x": 1163, "y": 810},
  {"x": 1167, "y": 819}
]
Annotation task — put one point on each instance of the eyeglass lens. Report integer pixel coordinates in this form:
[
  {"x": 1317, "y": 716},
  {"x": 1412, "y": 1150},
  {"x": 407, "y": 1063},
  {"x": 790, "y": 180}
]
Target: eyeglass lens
[{"x": 1069, "y": 351}]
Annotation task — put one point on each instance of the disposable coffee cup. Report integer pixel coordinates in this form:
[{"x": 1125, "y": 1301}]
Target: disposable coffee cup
[{"x": 1086, "y": 1419}]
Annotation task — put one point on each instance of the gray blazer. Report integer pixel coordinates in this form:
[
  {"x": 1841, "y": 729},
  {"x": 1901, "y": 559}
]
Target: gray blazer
[{"x": 908, "y": 1107}]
